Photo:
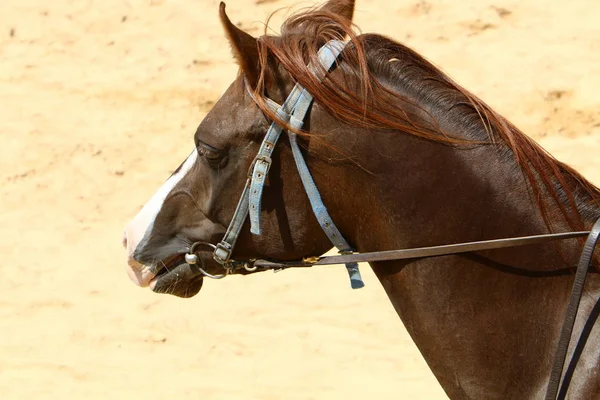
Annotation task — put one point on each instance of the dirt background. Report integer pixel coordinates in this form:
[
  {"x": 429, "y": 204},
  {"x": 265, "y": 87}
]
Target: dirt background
[{"x": 98, "y": 103}]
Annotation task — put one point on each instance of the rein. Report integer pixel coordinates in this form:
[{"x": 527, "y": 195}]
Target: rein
[{"x": 293, "y": 112}]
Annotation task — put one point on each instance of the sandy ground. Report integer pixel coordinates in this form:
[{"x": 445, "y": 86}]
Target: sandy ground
[{"x": 98, "y": 103}]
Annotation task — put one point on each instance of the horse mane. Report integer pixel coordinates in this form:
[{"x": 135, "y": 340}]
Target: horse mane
[{"x": 361, "y": 96}]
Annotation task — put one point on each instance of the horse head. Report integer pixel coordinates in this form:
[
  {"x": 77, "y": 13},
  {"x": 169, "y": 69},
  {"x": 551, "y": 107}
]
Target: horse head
[{"x": 197, "y": 202}]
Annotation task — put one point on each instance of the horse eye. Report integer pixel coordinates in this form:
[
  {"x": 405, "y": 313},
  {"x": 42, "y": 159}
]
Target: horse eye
[{"x": 211, "y": 154}]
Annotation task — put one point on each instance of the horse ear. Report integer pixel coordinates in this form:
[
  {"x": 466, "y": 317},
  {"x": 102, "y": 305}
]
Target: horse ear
[
  {"x": 243, "y": 46},
  {"x": 343, "y": 8}
]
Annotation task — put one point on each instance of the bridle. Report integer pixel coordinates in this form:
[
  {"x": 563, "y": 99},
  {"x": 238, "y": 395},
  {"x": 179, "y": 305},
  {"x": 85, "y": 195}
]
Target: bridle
[{"x": 293, "y": 111}]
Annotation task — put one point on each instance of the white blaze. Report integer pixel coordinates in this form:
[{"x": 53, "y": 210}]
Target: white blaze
[{"x": 144, "y": 221}]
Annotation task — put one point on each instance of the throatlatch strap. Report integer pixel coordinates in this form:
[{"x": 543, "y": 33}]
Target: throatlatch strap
[
  {"x": 322, "y": 215},
  {"x": 327, "y": 55}
]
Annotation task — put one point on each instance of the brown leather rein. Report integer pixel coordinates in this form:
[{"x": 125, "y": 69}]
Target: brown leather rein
[
  {"x": 435, "y": 251},
  {"x": 420, "y": 252}
]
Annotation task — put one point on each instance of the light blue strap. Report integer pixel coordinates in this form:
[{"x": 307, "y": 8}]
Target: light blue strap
[
  {"x": 322, "y": 214},
  {"x": 225, "y": 247},
  {"x": 328, "y": 54},
  {"x": 263, "y": 161}
]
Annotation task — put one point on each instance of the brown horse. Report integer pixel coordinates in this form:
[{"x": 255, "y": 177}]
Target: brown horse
[{"x": 403, "y": 157}]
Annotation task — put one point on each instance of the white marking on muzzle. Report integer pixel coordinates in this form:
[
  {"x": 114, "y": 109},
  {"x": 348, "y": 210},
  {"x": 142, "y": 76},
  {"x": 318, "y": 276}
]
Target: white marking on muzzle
[{"x": 144, "y": 221}]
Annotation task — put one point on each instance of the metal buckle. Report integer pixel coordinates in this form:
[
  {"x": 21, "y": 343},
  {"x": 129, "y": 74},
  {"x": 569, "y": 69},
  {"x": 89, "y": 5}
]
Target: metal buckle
[
  {"x": 261, "y": 157},
  {"x": 222, "y": 253},
  {"x": 265, "y": 159}
]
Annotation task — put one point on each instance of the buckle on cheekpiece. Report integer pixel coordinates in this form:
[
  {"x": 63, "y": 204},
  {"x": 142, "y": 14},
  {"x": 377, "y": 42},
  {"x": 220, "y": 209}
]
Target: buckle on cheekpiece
[
  {"x": 222, "y": 253},
  {"x": 262, "y": 158},
  {"x": 265, "y": 160}
]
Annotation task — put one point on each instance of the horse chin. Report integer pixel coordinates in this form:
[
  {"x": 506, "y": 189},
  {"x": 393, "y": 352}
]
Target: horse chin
[{"x": 181, "y": 281}]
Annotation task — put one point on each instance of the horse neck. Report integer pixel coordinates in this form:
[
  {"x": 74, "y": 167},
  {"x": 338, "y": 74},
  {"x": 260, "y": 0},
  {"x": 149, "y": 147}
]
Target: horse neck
[
  {"x": 400, "y": 191},
  {"x": 430, "y": 193},
  {"x": 411, "y": 192}
]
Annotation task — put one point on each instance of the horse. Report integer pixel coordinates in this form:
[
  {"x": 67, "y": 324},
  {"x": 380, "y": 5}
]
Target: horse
[{"x": 403, "y": 157}]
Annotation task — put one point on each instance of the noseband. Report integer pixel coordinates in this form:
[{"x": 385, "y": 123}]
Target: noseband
[{"x": 293, "y": 111}]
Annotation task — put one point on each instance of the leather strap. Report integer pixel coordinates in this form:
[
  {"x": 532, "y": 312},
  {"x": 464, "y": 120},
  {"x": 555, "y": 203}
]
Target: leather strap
[
  {"x": 223, "y": 250},
  {"x": 420, "y": 252},
  {"x": 571, "y": 314},
  {"x": 322, "y": 214},
  {"x": 262, "y": 163}
]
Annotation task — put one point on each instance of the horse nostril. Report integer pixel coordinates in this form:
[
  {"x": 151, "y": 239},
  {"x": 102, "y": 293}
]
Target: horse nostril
[{"x": 124, "y": 239}]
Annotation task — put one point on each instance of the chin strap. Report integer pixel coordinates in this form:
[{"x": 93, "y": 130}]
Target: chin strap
[{"x": 293, "y": 112}]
